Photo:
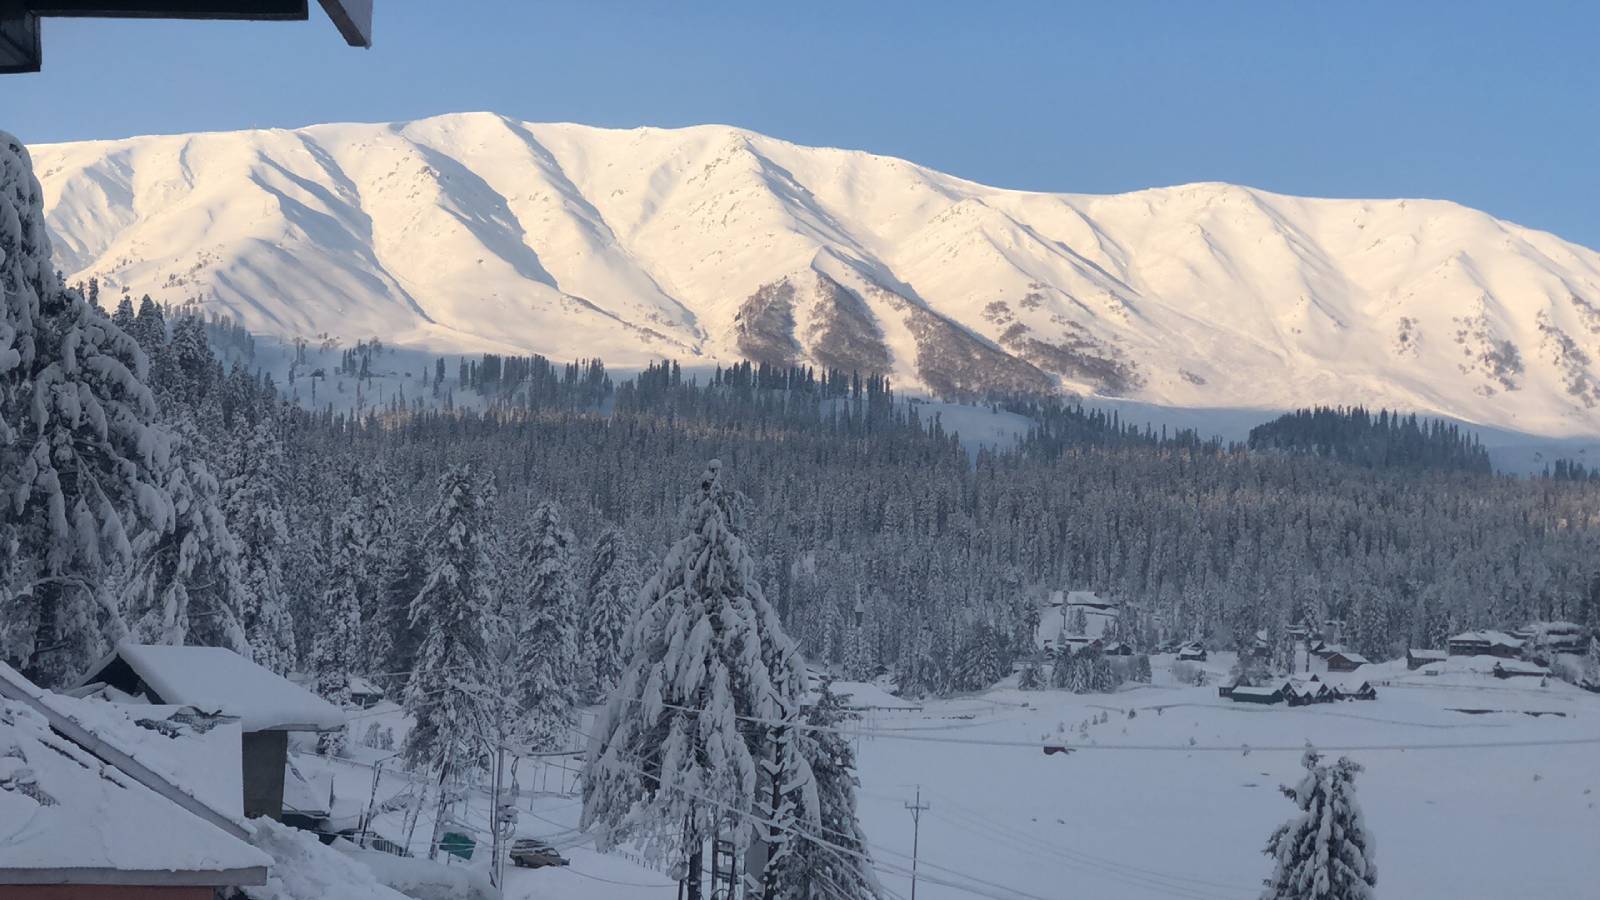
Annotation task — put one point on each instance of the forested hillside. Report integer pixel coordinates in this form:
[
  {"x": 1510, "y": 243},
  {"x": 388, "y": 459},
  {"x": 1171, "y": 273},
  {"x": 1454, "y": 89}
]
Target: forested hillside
[
  {"x": 1386, "y": 440},
  {"x": 880, "y": 541}
]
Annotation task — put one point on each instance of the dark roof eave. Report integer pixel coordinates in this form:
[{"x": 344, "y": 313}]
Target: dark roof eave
[{"x": 252, "y": 875}]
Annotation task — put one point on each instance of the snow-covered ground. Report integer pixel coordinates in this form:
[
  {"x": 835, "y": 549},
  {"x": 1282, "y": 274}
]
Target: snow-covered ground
[{"x": 1172, "y": 792}]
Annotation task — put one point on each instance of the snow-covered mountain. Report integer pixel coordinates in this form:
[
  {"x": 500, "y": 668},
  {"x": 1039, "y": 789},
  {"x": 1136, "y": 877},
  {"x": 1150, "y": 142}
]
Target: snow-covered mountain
[{"x": 478, "y": 232}]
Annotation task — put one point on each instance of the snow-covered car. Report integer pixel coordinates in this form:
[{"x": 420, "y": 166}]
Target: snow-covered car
[{"x": 534, "y": 854}]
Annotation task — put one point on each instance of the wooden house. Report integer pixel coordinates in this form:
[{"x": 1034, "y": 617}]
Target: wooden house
[
  {"x": 1516, "y": 668},
  {"x": 1345, "y": 661},
  {"x": 1358, "y": 690},
  {"x": 219, "y": 681},
  {"x": 1192, "y": 652},
  {"x": 1266, "y": 695},
  {"x": 1416, "y": 659},
  {"x": 100, "y": 824},
  {"x": 1485, "y": 643}
]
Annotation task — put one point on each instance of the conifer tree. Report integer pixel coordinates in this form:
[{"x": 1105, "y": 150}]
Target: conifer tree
[
  {"x": 670, "y": 764},
  {"x": 455, "y": 612},
  {"x": 336, "y": 653},
  {"x": 81, "y": 454},
  {"x": 548, "y": 631},
  {"x": 254, "y": 505},
  {"x": 1324, "y": 852},
  {"x": 612, "y": 585}
]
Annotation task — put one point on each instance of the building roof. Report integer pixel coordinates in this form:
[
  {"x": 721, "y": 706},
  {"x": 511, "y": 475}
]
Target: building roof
[
  {"x": 1521, "y": 667},
  {"x": 1247, "y": 691},
  {"x": 220, "y": 681},
  {"x": 1486, "y": 637},
  {"x": 67, "y": 817},
  {"x": 1349, "y": 656},
  {"x": 190, "y": 762}
]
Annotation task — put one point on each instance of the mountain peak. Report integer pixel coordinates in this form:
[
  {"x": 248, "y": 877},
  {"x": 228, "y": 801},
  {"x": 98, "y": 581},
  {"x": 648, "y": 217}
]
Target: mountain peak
[{"x": 476, "y": 231}]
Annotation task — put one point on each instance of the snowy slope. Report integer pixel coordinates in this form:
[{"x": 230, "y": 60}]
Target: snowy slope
[{"x": 477, "y": 232}]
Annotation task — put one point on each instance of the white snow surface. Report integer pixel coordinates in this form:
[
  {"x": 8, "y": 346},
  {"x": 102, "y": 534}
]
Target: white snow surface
[
  {"x": 304, "y": 869},
  {"x": 475, "y": 231},
  {"x": 217, "y": 680},
  {"x": 200, "y": 760},
  {"x": 61, "y": 808}
]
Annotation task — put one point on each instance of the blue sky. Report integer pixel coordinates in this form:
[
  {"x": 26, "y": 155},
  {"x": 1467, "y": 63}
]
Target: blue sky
[{"x": 1494, "y": 105}]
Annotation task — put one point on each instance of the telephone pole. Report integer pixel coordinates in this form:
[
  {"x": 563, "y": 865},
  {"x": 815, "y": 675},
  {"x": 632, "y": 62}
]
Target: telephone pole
[{"x": 916, "y": 833}]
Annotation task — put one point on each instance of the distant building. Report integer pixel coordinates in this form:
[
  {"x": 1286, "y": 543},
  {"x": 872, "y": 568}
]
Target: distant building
[
  {"x": 218, "y": 681},
  {"x": 1359, "y": 690},
  {"x": 1553, "y": 637},
  {"x": 1416, "y": 659},
  {"x": 1192, "y": 652},
  {"x": 1345, "y": 661},
  {"x": 1268, "y": 695},
  {"x": 1485, "y": 643},
  {"x": 1516, "y": 668}
]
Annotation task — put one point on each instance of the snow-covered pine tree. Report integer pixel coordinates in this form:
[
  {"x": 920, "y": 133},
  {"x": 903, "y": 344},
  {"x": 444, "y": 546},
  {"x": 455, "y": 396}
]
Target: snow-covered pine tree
[
  {"x": 547, "y": 626},
  {"x": 1031, "y": 676},
  {"x": 455, "y": 612},
  {"x": 612, "y": 583},
  {"x": 1325, "y": 852},
  {"x": 813, "y": 870},
  {"x": 184, "y": 585},
  {"x": 254, "y": 506},
  {"x": 669, "y": 764},
  {"x": 81, "y": 454},
  {"x": 336, "y": 653},
  {"x": 1591, "y": 664}
]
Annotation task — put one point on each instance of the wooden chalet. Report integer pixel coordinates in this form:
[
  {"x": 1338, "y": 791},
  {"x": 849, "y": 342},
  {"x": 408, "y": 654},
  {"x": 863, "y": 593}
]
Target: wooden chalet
[
  {"x": 1192, "y": 652},
  {"x": 1359, "y": 690},
  {"x": 1485, "y": 643},
  {"x": 1264, "y": 695},
  {"x": 1416, "y": 659},
  {"x": 101, "y": 825},
  {"x": 221, "y": 682},
  {"x": 1517, "y": 668},
  {"x": 1345, "y": 661}
]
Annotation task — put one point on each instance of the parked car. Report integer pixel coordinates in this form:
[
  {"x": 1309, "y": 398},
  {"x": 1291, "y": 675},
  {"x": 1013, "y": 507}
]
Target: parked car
[{"x": 532, "y": 853}]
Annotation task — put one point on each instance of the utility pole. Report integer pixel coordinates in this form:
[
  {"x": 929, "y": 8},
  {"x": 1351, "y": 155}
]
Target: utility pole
[{"x": 916, "y": 833}]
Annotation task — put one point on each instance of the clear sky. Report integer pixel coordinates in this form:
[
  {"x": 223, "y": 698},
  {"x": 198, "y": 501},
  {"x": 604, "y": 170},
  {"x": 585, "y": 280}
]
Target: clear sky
[{"x": 1495, "y": 105}]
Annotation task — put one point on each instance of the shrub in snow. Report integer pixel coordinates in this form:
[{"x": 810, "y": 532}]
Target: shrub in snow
[{"x": 1324, "y": 852}]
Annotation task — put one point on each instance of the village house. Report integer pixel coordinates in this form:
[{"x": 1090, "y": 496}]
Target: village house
[
  {"x": 1545, "y": 639},
  {"x": 1485, "y": 643},
  {"x": 1192, "y": 652},
  {"x": 1345, "y": 661},
  {"x": 1516, "y": 668},
  {"x": 220, "y": 682},
  {"x": 1247, "y": 694},
  {"x": 82, "y": 818},
  {"x": 1416, "y": 659}
]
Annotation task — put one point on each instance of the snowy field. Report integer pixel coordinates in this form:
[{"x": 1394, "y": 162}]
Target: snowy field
[{"x": 1186, "y": 818}]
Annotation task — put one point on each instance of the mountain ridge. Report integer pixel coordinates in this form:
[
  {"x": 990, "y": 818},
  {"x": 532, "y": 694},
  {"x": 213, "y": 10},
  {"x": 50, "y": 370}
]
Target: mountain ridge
[{"x": 475, "y": 231}]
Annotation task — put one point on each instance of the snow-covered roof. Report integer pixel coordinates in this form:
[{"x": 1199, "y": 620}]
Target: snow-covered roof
[
  {"x": 66, "y": 817},
  {"x": 1517, "y": 665},
  {"x": 1245, "y": 690},
  {"x": 220, "y": 681},
  {"x": 1486, "y": 637},
  {"x": 1350, "y": 656}
]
